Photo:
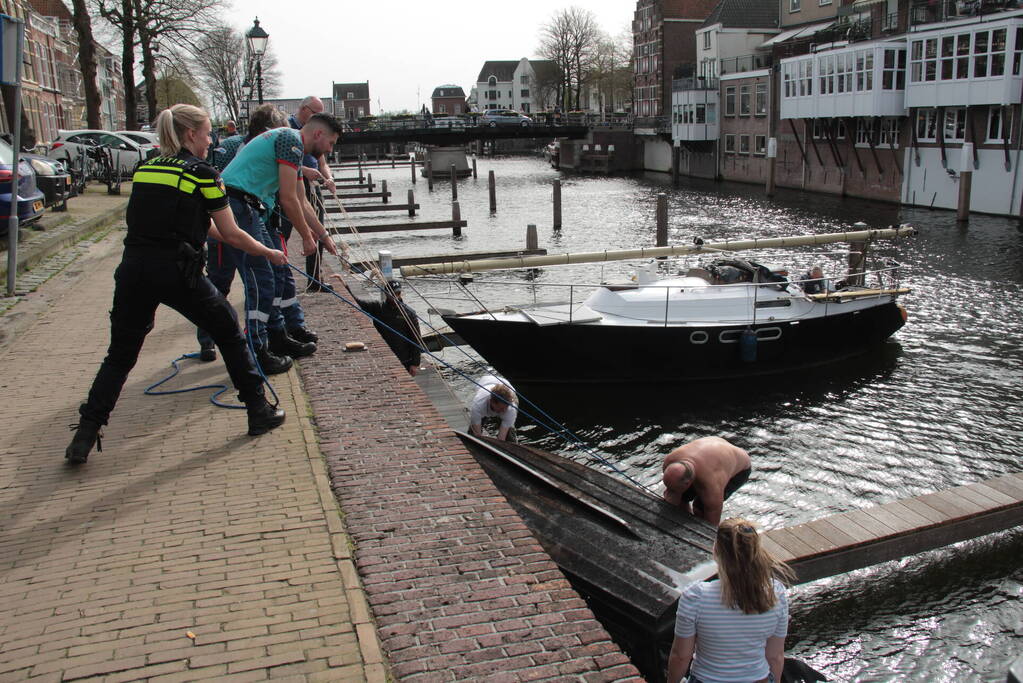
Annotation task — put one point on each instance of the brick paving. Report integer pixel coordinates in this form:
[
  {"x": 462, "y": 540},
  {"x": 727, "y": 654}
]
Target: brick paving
[{"x": 182, "y": 525}]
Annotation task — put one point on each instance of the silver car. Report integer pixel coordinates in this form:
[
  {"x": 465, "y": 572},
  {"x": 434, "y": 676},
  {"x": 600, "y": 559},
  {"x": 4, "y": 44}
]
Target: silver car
[
  {"x": 149, "y": 142},
  {"x": 69, "y": 145},
  {"x": 504, "y": 117}
]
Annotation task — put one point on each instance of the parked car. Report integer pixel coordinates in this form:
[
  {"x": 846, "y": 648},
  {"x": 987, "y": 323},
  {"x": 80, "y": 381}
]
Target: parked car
[
  {"x": 31, "y": 203},
  {"x": 150, "y": 142},
  {"x": 449, "y": 121},
  {"x": 127, "y": 153},
  {"x": 52, "y": 179},
  {"x": 504, "y": 117}
]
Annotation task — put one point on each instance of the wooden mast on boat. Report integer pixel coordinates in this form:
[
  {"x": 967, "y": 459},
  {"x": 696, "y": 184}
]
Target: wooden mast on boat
[{"x": 700, "y": 247}]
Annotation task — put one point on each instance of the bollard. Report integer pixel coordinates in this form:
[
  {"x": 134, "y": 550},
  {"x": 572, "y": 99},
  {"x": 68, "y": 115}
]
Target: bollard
[
  {"x": 412, "y": 163},
  {"x": 383, "y": 189},
  {"x": 474, "y": 176},
  {"x": 392, "y": 161},
  {"x": 454, "y": 184},
  {"x": 772, "y": 157},
  {"x": 532, "y": 244},
  {"x": 557, "y": 204},
  {"x": 493, "y": 193},
  {"x": 965, "y": 184},
  {"x": 662, "y": 220},
  {"x": 429, "y": 175},
  {"x": 360, "y": 168},
  {"x": 369, "y": 182},
  {"x": 456, "y": 216},
  {"x": 411, "y": 203}
]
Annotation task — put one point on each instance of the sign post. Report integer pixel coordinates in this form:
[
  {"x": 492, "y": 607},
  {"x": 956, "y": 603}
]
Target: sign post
[{"x": 12, "y": 41}]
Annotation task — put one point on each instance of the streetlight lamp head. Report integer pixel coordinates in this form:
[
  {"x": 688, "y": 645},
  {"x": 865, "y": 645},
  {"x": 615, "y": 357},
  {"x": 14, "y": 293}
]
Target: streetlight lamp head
[{"x": 257, "y": 39}]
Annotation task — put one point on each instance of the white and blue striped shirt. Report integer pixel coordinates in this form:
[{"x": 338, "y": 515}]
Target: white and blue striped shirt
[{"x": 729, "y": 644}]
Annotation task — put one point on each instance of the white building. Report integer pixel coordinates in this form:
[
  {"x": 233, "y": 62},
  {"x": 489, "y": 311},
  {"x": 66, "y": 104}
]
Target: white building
[{"x": 524, "y": 85}]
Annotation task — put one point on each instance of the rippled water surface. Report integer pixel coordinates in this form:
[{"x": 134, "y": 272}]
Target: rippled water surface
[{"x": 936, "y": 407}]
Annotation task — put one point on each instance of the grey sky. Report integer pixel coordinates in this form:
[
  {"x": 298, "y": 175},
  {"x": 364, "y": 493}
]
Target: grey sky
[{"x": 402, "y": 45}]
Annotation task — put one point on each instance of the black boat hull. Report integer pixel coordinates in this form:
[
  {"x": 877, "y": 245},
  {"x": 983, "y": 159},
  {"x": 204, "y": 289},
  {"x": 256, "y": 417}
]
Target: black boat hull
[{"x": 592, "y": 352}]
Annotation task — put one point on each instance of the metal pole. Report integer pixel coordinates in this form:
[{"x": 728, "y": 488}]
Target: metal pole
[
  {"x": 474, "y": 167},
  {"x": 429, "y": 174},
  {"x": 412, "y": 163},
  {"x": 493, "y": 192},
  {"x": 259, "y": 78},
  {"x": 557, "y": 204},
  {"x": 12, "y": 219},
  {"x": 456, "y": 217},
  {"x": 454, "y": 184}
]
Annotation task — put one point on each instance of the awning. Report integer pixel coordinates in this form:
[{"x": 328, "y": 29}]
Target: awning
[{"x": 801, "y": 32}]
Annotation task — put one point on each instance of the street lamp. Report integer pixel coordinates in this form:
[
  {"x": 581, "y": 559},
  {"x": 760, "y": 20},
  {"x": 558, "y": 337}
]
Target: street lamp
[
  {"x": 257, "y": 39},
  {"x": 246, "y": 99}
]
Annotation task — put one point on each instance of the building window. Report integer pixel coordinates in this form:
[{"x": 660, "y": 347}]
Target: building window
[
  {"x": 1017, "y": 52},
  {"x": 999, "y": 124},
  {"x": 760, "y": 106},
  {"x": 759, "y": 145},
  {"x": 351, "y": 96},
  {"x": 955, "y": 124},
  {"x": 893, "y": 72},
  {"x": 788, "y": 77},
  {"x": 818, "y": 129},
  {"x": 806, "y": 78},
  {"x": 706, "y": 40},
  {"x": 864, "y": 70},
  {"x": 793, "y": 5},
  {"x": 712, "y": 113},
  {"x": 443, "y": 109},
  {"x": 701, "y": 113},
  {"x": 744, "y": 101},
  {"x": 730, "y": 100},
  {"x": 926, "y": 125},
  {"x": 523, "y": 93},
  {"x": 523, "y": 80},
  {"x": 744, "y": 144},
  {"x": 492, "y": 81},
  {"x": 729, "y": 144},
  {"x": 864, "y": 132},
  {"x": 826, "y": 74},
  {"x": 889, "y": 132},
  {"x": 923, "y": 63}
]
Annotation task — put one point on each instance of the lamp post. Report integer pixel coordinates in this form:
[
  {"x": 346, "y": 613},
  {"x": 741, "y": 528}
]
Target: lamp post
[
  {"x": 257, "y": 39},
  {"x": 246, "y": 99}
]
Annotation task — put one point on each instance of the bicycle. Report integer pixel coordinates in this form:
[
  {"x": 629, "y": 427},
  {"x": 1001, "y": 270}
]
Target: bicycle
[{"x": 104, "y": 170}]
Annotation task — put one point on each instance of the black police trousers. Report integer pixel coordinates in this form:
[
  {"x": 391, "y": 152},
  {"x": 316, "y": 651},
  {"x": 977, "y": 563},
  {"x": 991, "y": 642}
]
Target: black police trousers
[{"x": 146, "y": 278}]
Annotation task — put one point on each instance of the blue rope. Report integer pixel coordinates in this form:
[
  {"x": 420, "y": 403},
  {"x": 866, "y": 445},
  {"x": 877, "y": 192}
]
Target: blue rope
[
  {"x": 553, "y": 426},
  {"x": 150, "y": 390}
]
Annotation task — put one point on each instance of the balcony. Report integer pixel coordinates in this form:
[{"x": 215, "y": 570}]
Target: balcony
[
  {"x": 735, "y": 65},
  {"x": 694, "y": 83},
  {"x": 694, "y": 115},
  {"x": 867, "y": 79},
  {"x": 934, "y": 11},
  {"x": 969, "y": 61}
]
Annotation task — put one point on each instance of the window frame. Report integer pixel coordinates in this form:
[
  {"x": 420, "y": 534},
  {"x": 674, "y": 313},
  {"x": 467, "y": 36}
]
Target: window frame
[
  {"x": 745, "y": 100},
  {"x": 730, "y": 100},
  {"x": 729, "y": 143}
]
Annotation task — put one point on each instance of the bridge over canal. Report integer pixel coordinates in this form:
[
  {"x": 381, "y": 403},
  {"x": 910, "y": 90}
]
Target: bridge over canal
[{"x": 445, "y": 136}]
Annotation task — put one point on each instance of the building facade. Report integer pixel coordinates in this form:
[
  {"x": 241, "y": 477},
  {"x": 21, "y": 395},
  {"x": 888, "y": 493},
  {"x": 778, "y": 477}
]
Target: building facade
[
  {"x": 524, "y": 85},
  {"x": 351, "y": 100},
  {"x": 448, "y": 99}
]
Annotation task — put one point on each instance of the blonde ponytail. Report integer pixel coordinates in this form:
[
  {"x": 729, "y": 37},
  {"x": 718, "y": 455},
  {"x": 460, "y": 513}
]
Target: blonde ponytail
[{"x": 174, "y": 121}]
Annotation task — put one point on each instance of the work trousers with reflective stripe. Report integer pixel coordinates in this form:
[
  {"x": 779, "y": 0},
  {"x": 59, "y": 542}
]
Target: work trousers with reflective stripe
[
  {"x": 258, "y": 275},
  {"x": 291, "y": 309},
  {"x": 146, "y": 278},
  {"x": 220, "y": 271}
]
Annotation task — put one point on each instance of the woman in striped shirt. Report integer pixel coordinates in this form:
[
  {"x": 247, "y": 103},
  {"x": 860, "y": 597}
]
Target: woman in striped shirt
[{"x": 733, "y": 629}]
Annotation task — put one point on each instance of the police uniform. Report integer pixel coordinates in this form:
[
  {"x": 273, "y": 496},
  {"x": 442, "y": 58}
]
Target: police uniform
[{"x": 168, "y": 217}]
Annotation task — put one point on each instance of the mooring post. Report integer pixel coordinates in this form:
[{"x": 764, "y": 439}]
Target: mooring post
[
  {"x": 532, "y": 244},
  {"x": 662, "y": 220},
  {"x": 383, "y": 189},
  {"x": 412, "y": 163},
  {"x": 456, "y": 218},
  {"x": 392, "y": 161},
  {"x": 360, "y": 168},
  {"x": 454, "y": 184},
  {"x": 965, "y": 183},
  {"x": 557, "y": 203},
  {"x": 429, "y": 174},
  {"x": 369, "y": 182},
  {"x": 474, "y": 176},
  {"x": 857, "y": 258},
  {"x": 493, "y": 192},
  {"x": 676, "y": 159},
  {"x": 772, "y": 157},
  {"x": 411, "y": 203}
]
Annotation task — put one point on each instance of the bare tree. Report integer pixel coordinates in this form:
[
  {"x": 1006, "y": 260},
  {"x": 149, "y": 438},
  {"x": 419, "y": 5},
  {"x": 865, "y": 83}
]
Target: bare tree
[
  {"x": 220, "y": 69},
  {"x": 570, "y": 40},
  {"x": 121, "y": 14},
  {"x": 87, "y": 62},
  {"x": 611, "y": 71}
]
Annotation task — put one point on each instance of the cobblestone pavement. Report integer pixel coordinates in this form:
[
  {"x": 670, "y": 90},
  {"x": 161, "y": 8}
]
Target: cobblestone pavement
[{"x": 186, "y": 550}]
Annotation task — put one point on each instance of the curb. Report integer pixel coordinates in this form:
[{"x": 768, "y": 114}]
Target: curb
[{"x": 67, "y": 237}]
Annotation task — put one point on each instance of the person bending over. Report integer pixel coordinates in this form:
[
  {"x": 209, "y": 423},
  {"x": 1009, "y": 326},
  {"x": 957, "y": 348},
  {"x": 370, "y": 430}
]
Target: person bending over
[
  {"x": 701, "y": 475},
  {"x": 495, "y": 399}
]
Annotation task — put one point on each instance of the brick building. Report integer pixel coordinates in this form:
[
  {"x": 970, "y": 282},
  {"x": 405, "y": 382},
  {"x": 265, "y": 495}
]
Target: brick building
[
  {"x": 351, "y": 100},
  {"x": 448, "y": 99}
]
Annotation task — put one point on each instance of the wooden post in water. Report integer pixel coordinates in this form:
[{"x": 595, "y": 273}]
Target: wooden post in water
[
  {"x": 411, "y": 203},
  {"x": 676, "y": 155},
  {"x": 412, "y": 163},
  {"x": 392, "y": 161},
  {"x": 360, "y": 168},
  {"x": 474, "y": 176},
  {"x": 429, "y": 174},
  {"x": 383, "y": 189},
  {"x": 965, "y": 183},
  {"x": 531, "y": 240},
  {"x": 454, "y": 184},
  {"x": 662, "y": 220},
  {"x": 369, "y": 182},
  {"x": 493, "y": 192},
  {"x": 456, "y": 216},
  {"x": 857, "y": 258},
  {"x": 772, "y": 157},
  {"x": 557, "y": 203}
]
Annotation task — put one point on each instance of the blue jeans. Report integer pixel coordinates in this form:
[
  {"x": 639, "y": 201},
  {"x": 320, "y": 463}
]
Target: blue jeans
[{"x": 257, "y": 273}]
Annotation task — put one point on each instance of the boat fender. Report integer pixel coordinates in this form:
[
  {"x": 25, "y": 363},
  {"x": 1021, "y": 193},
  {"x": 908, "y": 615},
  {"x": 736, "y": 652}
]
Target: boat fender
[{"x": 748, "y": 346}]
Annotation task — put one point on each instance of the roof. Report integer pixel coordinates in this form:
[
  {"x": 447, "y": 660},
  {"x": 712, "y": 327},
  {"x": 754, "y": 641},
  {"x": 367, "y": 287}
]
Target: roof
[
  {"x": 505, "y": 70},
  {"x": 744, "y": 14},
  {"x": 51, "y": 8},
  {"x": 360, "y": 91},
  {"x": 448, "y": 91}
]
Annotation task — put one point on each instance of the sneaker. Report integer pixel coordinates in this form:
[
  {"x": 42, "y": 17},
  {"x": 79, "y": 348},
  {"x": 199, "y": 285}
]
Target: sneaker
[
  {"x": 207, "y": 352},
  {"x": 263, "y": 417},
  {"x": 272, "y": 364},
  {"x": 87, "y": 434},
  {"x": 303, "y": 334},
  {"x": 284, "y": 345}
]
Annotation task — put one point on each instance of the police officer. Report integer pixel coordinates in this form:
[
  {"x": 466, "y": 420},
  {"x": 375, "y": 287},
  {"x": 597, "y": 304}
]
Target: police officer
[{"x": 172, "y": 201}]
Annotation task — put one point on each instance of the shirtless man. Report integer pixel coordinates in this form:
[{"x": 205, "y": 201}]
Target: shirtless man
[{"x": 705, "y": 472}]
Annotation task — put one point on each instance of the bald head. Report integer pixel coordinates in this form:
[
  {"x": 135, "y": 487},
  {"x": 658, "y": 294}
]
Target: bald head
[
  {"x": 307, "y": 107},
  {"x": 678, "y": 476}
]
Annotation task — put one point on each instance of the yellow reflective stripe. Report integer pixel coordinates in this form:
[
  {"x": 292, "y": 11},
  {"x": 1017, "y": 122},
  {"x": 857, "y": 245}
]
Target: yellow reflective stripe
[
  {"x": 187, "y": 187},
  {"x": 200, "y": 181},
  {"x": 143, "y": 176},
  {"x": 212, "y": 192}
]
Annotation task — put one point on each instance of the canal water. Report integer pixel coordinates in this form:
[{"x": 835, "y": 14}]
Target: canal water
[{"x": 936, "y": 407}]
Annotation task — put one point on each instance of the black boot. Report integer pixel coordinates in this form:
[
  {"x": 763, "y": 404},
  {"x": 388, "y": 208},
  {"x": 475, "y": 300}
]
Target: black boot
[
  {"x": 263, "y": 417},
  {"x": 207, "y": 352},
  {"x": 283, "y": 345},
  {"x": 87, "y": 434},
  {"x": 270, "y": 363},
  {"x": 303, "y": 334}
]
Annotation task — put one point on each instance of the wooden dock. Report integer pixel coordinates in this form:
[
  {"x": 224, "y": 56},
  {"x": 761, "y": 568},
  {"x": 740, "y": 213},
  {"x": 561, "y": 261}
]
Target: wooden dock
[
  {"x": 442, "y": 396},
  {"x": 852, "y": 540}
]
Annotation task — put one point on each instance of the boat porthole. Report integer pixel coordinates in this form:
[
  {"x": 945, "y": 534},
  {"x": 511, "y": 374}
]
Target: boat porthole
[
  {"x": 698, "y": 337},
  {"x": 768, "y": 333},
  {"x": 729, "y": 336}
]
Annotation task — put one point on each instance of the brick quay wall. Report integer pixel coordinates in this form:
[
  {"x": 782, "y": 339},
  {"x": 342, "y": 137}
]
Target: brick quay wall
[{"x": 457, "y": 585}]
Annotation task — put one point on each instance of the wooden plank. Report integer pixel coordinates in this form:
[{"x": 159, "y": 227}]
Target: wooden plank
[
  {"x": 791, "y": 542},
  {"x": 890, "y": 519},
  {"x": 996, "y": 496},
  {"x": 1009, "y": 484},
  {"x": 951, "y": 504},
  {"x": 902, "y": 511},
  {"x": 396, "y": 227},
  {"x": 977, "y": 496},
  {"x": 362, "y": 208},
  {"x": 875, "y": 526},
  {"x": 843, "y": 523},
  {"x": 837, "y": 537},
  {"x": 924, "y": 510},
  {"x": 779, "y": 552},
  {"x": 361, "y": 195},
  {"x": 808, "y": 535}
]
